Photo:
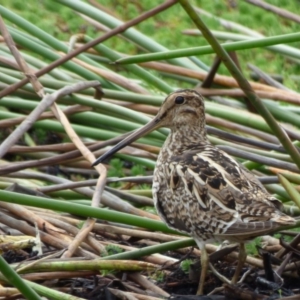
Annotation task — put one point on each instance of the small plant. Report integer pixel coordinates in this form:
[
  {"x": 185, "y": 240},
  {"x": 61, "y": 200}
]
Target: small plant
[
  {"x": 286, "y": 238},
  {"x": 185, "y": 265},
  {"x": 113, "y": 249},
  {"x": 3, "y": 135},
  {"x": 80, "y": 224},
  {"x": 150, "y": 209},
  {"x": 158, "y": 276},
  {"x": 144, "y": 186},
  {"x": 137, "y": 170},
  {"x": 251, "y": 247},
  {"x": 116, "y": 168},
  {"x": 39, "y": 135}
]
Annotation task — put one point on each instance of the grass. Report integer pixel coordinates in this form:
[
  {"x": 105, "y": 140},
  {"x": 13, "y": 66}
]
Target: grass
[
  {"x": 116, "y": 169},
  {"x": 166, "y": 27}
]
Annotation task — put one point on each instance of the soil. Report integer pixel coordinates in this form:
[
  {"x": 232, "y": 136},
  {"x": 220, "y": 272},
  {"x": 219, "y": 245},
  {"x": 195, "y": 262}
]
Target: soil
[{"x": 180, "y": 285}]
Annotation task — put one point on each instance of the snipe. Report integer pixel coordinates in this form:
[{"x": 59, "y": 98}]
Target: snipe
[{"x": 199, "y": 189}]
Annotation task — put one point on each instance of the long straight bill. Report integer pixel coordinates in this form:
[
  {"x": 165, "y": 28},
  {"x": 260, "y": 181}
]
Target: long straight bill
[{"x": 128, "y": 140}]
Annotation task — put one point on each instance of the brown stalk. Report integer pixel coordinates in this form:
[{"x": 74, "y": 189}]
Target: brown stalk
[
  {"x": 95, "y": 245},
  {"x": 29, "y": 264},
  {"x": 201, "y": 75},
  {"x": 281, "y": 268},
  {"x": 49, "y": 100},
  {"x": 234, "y": 256},
  {"x": 103, "y": 8},
  {"x": 157, "y": 259},
  {"x": 58, "y": 159},
  {"x": 29, "y": 216},
  {"x": 273, "y": 249},
  {"x": 276, "y": 10},
  {"x": 233, "y": 55},
  {"x": 25, "y": 228},
  {"x": 238, "y": 293},
  {"x": 209, "y": 79},
  {"x": 9, "y": 61},
  {"x": 8, "y": 292},
  {"x": 108, "y": 199},
  {"x": 135, "y": 151},
  {"x": 20, "y": 60},
  {"x": 131, "y": 296},
  {"x": 142, "y": 297},
  {"x": 292, "y": 266},
  {"x": 237, "y": 127},
  {"x": 137, "y": 199},
  {"x": 57, "y": 275},
  {"x": 122, "y": 295},
  {"x": 80, "y": 237},
  {"x": 292, "y": 245},
  {"x": 63, "y": 147},
  {"x": 113, "y": 77},
  {"x": 288, "y": 97},
  {"x": 262, "y": 76},
  {"x": 102, "y": 228},
  {"x": 45, "y": 115},
  {"x": 147, "y": 109},
  {"x": 65, "y": 186}
]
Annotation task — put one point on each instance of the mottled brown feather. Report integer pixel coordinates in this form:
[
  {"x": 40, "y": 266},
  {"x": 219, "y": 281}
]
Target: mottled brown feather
[{"x": 199, "y": 189}]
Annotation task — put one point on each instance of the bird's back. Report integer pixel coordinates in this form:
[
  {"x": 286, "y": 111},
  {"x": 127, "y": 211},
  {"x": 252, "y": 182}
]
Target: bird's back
[{"x": 205, "y": 193}]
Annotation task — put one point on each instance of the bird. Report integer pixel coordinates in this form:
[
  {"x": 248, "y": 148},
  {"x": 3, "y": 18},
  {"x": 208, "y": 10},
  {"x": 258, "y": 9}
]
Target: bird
[{"x": 200, "y": 190}]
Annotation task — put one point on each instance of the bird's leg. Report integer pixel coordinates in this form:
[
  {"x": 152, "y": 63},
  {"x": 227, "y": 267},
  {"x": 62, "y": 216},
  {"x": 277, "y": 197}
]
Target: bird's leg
[
  {"x": 241, "y": 260},
  {"x": 204, "y": 266}
]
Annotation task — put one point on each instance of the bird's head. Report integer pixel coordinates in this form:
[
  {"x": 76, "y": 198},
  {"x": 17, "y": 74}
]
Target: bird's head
[{"x": 181, "y": 108}]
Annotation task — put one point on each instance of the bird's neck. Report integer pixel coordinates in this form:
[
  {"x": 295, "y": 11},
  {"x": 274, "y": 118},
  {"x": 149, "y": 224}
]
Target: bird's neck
[{"x": 184, "y": 138}]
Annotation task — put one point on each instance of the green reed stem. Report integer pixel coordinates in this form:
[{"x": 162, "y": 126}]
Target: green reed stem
[
  {"x": 230, "y": 46},
  {"x": 13, "y": 278}
]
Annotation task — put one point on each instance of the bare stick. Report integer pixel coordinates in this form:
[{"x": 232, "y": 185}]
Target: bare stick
[
  {"x": 276, "y": 10},
  {"x": 46, "y": 115},
  {"x": 47, "y": 101}
]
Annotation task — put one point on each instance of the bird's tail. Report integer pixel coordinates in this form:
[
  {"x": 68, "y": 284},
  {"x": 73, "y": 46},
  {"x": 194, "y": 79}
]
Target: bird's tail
[{"x": 284, "y": 220}]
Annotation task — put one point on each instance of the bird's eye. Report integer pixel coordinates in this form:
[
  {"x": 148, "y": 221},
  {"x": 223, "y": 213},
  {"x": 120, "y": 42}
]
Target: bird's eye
[{"x": 179, "y": 100}]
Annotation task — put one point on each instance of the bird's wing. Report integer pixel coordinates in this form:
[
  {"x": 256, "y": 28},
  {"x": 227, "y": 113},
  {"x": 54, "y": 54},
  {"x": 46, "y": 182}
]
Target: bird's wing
[{"x": 226, "y": 191}]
